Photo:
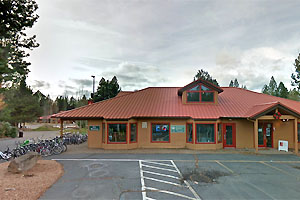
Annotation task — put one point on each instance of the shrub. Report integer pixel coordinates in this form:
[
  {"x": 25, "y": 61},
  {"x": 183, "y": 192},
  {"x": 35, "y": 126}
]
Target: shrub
[{"x": 7, "y": 130}]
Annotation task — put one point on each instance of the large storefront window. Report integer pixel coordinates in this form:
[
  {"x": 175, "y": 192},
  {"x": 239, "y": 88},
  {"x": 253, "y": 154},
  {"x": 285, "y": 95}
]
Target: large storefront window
[
  {"x": 189, "y": 133},
  {"x": 205, "y": 133},
  {"x": 160, "y": 133},
  {"x": 133, "y": 132},
  {"x": 117, "y": 133},
  {"x": 219, "y": 133}
]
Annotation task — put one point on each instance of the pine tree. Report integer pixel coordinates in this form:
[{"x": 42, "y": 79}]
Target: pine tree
[
  {"x": 231, "y": 84},
  {"x": 201, "y": 74},
  {"x": 107, "y": 89},
  {"x": 282, "y": 91},
  {"x": 236, "y": 83},
  {"x": 15, "y": 17},
  {"x": 296, "y": 76}
]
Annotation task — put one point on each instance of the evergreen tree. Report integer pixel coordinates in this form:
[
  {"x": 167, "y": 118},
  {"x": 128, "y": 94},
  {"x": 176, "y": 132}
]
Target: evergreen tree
[
  {"x": 15, "y": 17},
  {"x": 296, "y": 76},
  {"x": 107, "y": 89},
  {"x": 294, "y": 95},
  {"x": 282, "y": 91},
  {"x": 265, "y": 89},
  {"x": 270, "y": 89},
  {"x": 231, "y": 84},
  {"x": 22, "y": 105},
  {"x": 236, "y": 83},
  {"x": 201, "y": 74}
]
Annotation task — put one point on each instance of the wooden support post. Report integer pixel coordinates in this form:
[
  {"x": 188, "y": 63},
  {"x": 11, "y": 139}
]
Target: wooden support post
[
  {"x": 296, "y": 135},
  {"x": 256, "y": 135},
  {"x": 61, "y": 127}
]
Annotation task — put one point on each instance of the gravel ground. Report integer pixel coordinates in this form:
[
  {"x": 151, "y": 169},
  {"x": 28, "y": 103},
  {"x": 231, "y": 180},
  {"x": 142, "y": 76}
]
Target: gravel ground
[{"x": 30, "y": 185}]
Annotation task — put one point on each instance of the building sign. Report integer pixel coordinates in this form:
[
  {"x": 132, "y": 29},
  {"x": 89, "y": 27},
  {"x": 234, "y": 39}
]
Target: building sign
[
  {"x": 94, "y": 128},
  {"x": 144, "y": 124},
  {"x": 178, "y": 129}
]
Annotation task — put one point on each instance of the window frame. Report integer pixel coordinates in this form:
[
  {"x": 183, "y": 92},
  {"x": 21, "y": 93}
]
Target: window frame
[
  {"x": 136, "y": 137},
  {"x": 215, "y": 142},
  {"x": 103, "y": 132},
  {"x": 162, "y": 123},
  {"x": 108, "y": 142},
  {"x": 187, "y": 141},
  {"x": 200, "y": 91},
  {"x": 298, "y": 123},
  {"x": 221, "y": 132}
]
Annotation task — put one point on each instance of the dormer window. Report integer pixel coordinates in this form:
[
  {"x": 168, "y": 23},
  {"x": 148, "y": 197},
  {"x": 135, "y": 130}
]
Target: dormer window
[{"x": 200, "y": 93}]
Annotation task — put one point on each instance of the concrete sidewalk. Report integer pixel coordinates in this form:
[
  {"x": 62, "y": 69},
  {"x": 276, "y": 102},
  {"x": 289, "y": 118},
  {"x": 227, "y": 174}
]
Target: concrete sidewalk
[{"x": 83, "y": 148}]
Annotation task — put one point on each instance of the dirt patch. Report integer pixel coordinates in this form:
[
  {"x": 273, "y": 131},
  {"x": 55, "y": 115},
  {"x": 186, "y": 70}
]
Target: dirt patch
[
  {"x": 197, "y": 175},
  {"x": 32, "y": 184}
]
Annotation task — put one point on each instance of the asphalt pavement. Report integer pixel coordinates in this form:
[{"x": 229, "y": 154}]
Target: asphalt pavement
[{"x": 158, "y": 176}]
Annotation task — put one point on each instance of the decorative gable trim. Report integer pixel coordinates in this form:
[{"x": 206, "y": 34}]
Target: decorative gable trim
[{"x": 196, "y": 82}]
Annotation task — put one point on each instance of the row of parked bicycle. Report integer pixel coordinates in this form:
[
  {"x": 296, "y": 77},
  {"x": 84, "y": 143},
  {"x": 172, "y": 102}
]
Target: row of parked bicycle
[{"x": 53, "y": 146}]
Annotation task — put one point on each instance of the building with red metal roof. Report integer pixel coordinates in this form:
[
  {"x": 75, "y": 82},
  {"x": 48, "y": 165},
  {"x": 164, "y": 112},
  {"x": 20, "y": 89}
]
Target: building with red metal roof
[{"x": 199, "y": 115}]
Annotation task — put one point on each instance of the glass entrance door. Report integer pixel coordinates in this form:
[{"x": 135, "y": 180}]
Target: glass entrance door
[
  {"x": 229, "y": 135},
  {"x": 261, "y": 135},
  {"x": 265, "y": 135}
]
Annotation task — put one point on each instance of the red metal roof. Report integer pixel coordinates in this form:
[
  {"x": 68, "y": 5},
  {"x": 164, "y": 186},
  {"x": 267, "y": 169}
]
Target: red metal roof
[{"x": 165, "y": 102}]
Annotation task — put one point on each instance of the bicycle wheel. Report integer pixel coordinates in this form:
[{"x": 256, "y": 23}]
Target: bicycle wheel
[{"x": 56, "y": 150}]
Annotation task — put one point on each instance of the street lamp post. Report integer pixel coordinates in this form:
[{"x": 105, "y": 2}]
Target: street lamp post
[{"x": 93, "y": 86}]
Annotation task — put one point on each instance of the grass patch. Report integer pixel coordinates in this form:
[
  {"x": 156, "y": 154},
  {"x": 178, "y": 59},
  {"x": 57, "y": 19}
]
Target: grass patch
[
  {"x": 76, "y": 130},
  {"x": 46, "y": 128},
  {"x": 202, "y": 176}
]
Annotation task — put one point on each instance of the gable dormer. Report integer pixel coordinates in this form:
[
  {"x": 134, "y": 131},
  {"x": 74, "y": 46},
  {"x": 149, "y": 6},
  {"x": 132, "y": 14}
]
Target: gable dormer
[{"x": 200, "y": 91}]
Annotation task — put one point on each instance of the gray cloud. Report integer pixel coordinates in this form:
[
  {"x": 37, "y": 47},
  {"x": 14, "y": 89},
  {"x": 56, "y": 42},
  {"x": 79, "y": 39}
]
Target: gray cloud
[
  {"x": 41, "y": 84},
  {"x": 133, "y": 76},
  {"x": 82, "y": 82},
  {"x": 164, "y": 43}
]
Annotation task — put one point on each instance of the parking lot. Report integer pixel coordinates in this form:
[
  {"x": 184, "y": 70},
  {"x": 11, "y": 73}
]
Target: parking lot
[{"x": 159, "y": 176}]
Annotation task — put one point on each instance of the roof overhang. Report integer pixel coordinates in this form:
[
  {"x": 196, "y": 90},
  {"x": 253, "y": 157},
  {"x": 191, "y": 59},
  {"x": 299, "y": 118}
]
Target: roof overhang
[{"x": 274, "y": 107}]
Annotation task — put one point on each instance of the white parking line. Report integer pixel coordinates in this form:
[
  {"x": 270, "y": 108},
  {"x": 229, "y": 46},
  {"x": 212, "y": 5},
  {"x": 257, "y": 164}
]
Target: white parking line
[
  {"x": 159, "y": 174},
  {"x": 142, "y": 181},
  {"x": 162, "y": 181},
  {"x": 173, "y": 166},
  {"x": 170, "y": 170},
  {"x": 146, "y": 161},
  {"x": 169, "y": 192},
  {"x": 187, "y": 183}
]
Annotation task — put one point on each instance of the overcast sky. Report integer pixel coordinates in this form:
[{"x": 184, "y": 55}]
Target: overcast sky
[{"x": 162, "y": 43}]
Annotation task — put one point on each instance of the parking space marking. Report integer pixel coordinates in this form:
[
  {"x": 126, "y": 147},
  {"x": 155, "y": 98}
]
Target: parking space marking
[
  {"x": 173, "y": 166},
  {"x": 158, "y": 180},
  {"x": 187, "y": 183},
  {"x": 224, "y": 166},
  {"x": 163, "y": 164},
  {"x": 142, "y": 182},
  {"x": 169, "y": 192},
  {"x": 160, "y": 174},
  {"x": 281, "y": 170},
  {"x": 170, "y": 170}
]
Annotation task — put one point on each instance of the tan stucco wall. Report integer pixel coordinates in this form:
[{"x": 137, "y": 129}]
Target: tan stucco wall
[
  {"x": 244, "y": 134},
  {"x": 95, "y": 137},
  {"x": 283, "y": 131}
]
